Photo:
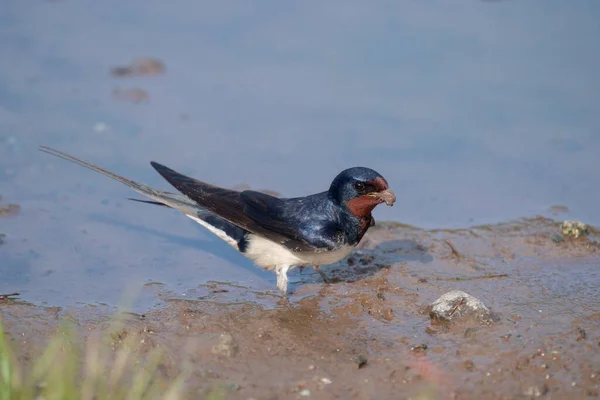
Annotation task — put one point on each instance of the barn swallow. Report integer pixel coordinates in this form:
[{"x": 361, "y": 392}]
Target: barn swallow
[{"x": 276, "y": 233}]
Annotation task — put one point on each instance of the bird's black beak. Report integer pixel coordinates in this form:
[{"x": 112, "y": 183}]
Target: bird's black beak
[{"x": 385, "y": 196}]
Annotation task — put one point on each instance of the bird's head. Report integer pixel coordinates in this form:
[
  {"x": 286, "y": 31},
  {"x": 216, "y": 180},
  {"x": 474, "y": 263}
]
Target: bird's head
[{"x": 360, "y": 190}]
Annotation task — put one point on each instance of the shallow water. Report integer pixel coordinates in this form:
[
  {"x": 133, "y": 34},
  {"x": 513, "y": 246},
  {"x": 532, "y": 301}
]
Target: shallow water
[
  {"x": 544, "y": 338},
  {"x": 475, "y": 113}
]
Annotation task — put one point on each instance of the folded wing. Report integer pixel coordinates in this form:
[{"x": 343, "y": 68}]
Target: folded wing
[{"x": 253, "y": 211}]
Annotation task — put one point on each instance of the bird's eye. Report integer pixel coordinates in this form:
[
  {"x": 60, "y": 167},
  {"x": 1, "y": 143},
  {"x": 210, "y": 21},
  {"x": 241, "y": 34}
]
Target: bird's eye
[{"x": 359, "y": 186}]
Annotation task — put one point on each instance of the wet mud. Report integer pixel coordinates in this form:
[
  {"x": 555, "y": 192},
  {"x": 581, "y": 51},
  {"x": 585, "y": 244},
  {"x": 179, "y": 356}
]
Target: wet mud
[{"x": 369, "y": 333}]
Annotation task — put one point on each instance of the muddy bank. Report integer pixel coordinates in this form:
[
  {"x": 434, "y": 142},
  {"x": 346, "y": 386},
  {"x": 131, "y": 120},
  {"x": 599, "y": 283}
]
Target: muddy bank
[{"x": 369, "y": 333}]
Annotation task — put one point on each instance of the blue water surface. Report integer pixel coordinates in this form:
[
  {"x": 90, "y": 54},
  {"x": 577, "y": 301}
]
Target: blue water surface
[{"x": 475, "y": 112}]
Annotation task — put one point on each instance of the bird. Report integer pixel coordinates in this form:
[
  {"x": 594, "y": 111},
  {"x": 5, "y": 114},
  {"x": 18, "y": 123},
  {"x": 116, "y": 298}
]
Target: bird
[{"x": 277, "y": 234}]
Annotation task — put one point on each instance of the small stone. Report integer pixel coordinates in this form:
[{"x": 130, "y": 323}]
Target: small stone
[
  {"x": 506, "y": 337},
  {"x": 305, "y": 393},
  {"x": 326, "y": 381},
  {"x": 457, "y": 305},
  {"x": 387, "y": 314},
  {"x": 360, "y": 361},
  {"x": 420, "y": 347},
  {"x": 536, "y": 390},
  {"x": 226, "y": 346},
  {"x": 469, "y": 366}
]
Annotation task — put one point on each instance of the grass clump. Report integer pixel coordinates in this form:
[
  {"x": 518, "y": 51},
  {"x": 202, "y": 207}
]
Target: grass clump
[{"x": 106, "y": 365}]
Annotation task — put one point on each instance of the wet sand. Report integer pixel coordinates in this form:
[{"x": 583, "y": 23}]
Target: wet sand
[{"x": 368, "y": 334}]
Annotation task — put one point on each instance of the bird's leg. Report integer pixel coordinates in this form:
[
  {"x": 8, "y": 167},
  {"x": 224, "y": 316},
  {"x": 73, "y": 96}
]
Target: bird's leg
[
  {"x": 282, "y": 279},
  {"x": 325, "y": 278}
]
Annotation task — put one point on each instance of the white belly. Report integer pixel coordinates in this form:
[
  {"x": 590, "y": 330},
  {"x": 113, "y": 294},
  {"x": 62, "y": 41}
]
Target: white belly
[{"x": 271, "y": 255}]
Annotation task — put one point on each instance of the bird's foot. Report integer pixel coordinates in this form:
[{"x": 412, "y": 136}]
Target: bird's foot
[
  {"x": 283, "y": 301},
  {"x": 325, "y": 278},
  {"x": 282, "y": 280}
]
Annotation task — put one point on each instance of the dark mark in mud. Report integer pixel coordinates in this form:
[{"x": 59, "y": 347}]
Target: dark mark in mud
[
  {"x": 135, "y": 315},
  {"x": 455, "y": 253},
  {"x": 245, "y": 345},
  {"x": 361, "y": 361},
  {"x": 470, "y": 278},
  {"x": 372, "y": 258},
  {"x": 581, "y": 334},
  {"x": 470, "y": 332}
]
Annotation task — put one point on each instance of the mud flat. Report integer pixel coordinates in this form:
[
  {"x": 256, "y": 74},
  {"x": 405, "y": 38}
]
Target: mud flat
[{"x": 369, "y": 334}]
